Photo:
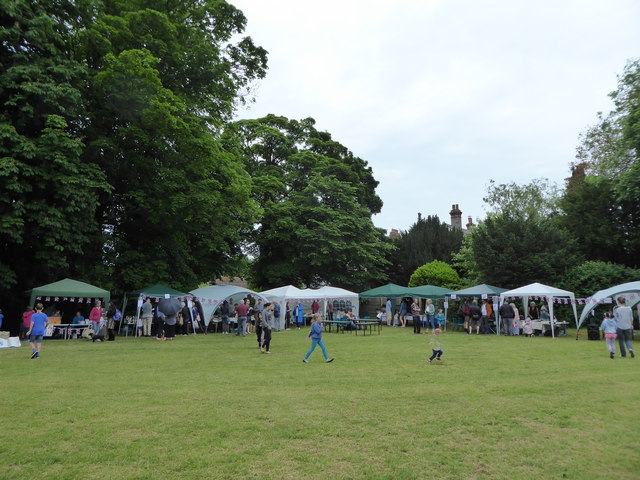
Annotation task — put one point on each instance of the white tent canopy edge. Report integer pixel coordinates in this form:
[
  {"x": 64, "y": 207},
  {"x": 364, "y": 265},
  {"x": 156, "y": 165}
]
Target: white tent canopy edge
[
  {"x": 541, "y": 290},
  {"x": 630, "y": 290}
]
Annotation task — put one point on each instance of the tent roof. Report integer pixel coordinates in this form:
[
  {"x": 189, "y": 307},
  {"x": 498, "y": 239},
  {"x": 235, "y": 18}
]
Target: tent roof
[
  {"x": 479, "y": 290},
  {"x": 222, "y": 292},
  {"x": 390, "y": 290},
  {"x": 537, "y": 289},
  {"x": 69, "y": 288},
  {"x": 289, "y": 291},
  {"x": 630, "y": 287},
  {"x": 428, "y": 291},
  {"x": 157, "y": 290}
]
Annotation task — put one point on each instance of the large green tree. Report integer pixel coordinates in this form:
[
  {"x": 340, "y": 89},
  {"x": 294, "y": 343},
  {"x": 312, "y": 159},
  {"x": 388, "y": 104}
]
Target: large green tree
[
  {"x": 317, "y": 200},
  {"x": 611, "y": 149},
  {"x": 48, "y": 192},
  {"x": 163, "y": 80},
  {"x": 511, "y": 251}
]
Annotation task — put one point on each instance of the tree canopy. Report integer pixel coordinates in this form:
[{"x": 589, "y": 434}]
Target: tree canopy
[{"x": 317, "y": 200}]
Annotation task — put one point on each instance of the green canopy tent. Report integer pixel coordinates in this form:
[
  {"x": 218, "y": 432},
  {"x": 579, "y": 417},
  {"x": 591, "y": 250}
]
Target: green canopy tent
[
  {"x": 70, "y": 289},
  {"x": 482, "y": 291},
  {"x": 390, "y": 290},
  {"x": 429, "y": 291}
]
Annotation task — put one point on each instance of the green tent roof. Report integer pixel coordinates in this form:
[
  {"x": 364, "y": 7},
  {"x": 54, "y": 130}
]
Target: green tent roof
[
  {"x": 69, "y": 288},
  {"x": 157, "y": 290},
  {"x": 428, "y": 291},
  {"x": 390, "y": 290},
  {"x": 480, "y": 290}
]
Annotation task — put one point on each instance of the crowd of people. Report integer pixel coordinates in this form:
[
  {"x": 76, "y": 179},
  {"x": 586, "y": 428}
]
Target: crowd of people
[{"x": 254, "y": 316}]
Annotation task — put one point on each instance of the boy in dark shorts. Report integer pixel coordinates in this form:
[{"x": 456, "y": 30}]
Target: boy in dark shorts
[{"x": 39, "y": 322}]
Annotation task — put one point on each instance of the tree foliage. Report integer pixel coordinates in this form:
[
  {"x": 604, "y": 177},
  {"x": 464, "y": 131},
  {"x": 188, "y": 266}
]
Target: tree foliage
[
  {"x": 48, "y": 193},
  {"x": 112, "y": 169},
  {"x": 587, "y": 278},
  {"x": 511, "y": 251},
  {"x": 426, "y": 240},
  {"x": 436, "y": 273},
  {"x": 611, "y": 150},
  {"x": 317, "y": 200}
]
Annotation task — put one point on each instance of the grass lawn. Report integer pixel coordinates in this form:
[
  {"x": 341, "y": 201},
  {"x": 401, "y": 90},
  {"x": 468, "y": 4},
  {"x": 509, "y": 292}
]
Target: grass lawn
[{"x": 208, "y": 407}]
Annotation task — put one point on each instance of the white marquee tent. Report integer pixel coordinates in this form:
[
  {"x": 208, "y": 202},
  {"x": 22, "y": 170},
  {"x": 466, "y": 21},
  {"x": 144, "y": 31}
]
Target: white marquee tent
[
  {"x": 546, "y": 292},
  {"x": 630, "y": 290},
  {"x": 212, "y": 296},
  {"x": 343, "y": 298}
]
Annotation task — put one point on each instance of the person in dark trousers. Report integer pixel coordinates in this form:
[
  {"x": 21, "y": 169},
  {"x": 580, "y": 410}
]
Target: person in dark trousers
[
  {"x": 475, "y": 313},
  {"x": 259, "y": 320},
  {"x": 415, "y": 313},
  {"x": 267, "y": 327},
  {"x": 111, "y": 324},
  {"x": 506, "y": 314},
  {"x": 224, "y": 315}
]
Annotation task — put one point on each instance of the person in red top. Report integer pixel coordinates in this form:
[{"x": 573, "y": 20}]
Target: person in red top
[
  {"x": 94, "y": 316},
  {"x": 243, "y": 311},
  {"x": 26, "y": 321},
  {"x": 315, "y": 307}
]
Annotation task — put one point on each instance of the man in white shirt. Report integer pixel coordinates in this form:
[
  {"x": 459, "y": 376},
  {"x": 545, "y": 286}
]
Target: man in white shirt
[{"x": 624, "y": 319}]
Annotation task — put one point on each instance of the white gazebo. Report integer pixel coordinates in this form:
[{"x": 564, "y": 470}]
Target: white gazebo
[
  {"x": 547, "y": 293},
  {"x": 326, "y": 294},
  {"x": 212, "y": 296},
  {"x": 630, "y": 290}
]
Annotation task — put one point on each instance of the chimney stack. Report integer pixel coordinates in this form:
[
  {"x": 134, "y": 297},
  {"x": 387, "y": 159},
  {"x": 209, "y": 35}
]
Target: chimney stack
[
  {"x": 456, "y": 217},
  {"x": 470, "y": 224}
]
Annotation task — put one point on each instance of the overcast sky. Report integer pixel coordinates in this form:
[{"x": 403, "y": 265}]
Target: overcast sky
[{"x": 441, "y": 96}]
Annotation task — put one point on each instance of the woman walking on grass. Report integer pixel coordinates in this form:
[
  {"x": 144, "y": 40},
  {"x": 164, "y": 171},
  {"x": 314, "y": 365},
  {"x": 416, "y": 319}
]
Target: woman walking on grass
[{"x": 316, "y": 339}]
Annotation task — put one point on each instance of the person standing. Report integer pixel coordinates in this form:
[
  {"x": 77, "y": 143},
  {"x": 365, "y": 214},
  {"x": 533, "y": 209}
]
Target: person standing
[
  {"x": 486, "y": 312},
  {"x": 624, "y": 324},
  {"x": 609, "y": 328},
  {"x": 259, "y": 331},
  {"x": 160, "y": 332},
  {"x": 403, "y": 312},
  {"x": 267, "y": 327},
  {"x": 147, "y": 317},
  {"x": 26, "y": 321},
  {"x": 111, "y": 313},
  {"x": 533, "y": 312},
  {"x": 170, "y": 326},
  {"x": 440, "y": 320},
  {"x": 37, "y": 328},
  {"x": 415, "y": 314},
  {"x": 388, "y": 308},
  {"x": 243, "y": 311},
  {"x": 475, "y": 315},
  {"x": 224, "y": 316},
  {"x": 94, "y": 316},
  {"x": 287, "y": 316},
  {"x": 515, "y": 325},
  {"x": 316, "y": 339},
  {"x": 430, "y": 311},
  {"x": 315, "y": 307},
  {"x": 330, "y": 311},
  {"x": 299, "y": 315},
  {"x": 506, "y": 315}
]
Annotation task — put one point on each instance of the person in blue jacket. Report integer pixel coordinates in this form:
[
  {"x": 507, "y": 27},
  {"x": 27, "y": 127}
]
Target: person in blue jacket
[
  {"x": 316, "y": 339},
  {"x": 299, "y": 315}
]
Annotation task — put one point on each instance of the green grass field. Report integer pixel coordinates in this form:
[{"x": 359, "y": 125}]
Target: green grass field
[{"x": 208, "y": 407}]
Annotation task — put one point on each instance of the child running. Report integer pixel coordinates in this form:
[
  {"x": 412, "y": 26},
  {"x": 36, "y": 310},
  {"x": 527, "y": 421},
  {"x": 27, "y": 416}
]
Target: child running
[
  {"x": 609, "y": 326},
  {"x": 38, "y": 326},
  {"x": 316, "y": 339},
  {"x": 436, "y": 345}
]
